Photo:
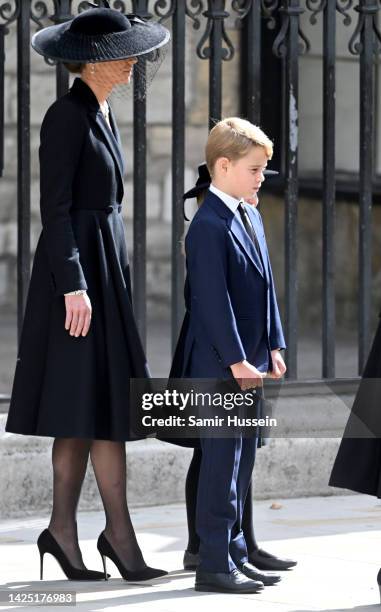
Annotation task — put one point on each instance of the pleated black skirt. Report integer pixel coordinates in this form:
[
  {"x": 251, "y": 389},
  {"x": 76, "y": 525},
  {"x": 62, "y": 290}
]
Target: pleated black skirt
[{"x": 80, "y": 387}]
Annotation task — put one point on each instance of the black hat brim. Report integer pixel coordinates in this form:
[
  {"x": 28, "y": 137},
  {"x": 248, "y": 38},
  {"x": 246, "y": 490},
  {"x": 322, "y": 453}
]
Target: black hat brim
[
  {"x": 58, "y": 43},
  {"x": 195, "y": 191},
  {"x": 198, "y": 189}
]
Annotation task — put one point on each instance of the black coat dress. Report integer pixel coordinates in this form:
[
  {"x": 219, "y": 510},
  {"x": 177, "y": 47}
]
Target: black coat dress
[
  {"x": 66, "y": 386},
  {"x": 358, "y": 462}
]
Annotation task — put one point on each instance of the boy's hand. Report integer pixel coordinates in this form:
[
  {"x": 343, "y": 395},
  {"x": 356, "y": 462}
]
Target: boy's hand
[
  {"x": 247, "y": 375},
  {"x": 279, "y": 367}
]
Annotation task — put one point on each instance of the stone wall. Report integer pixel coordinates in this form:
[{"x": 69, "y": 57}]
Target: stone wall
[{"x": 286, "y": 467}]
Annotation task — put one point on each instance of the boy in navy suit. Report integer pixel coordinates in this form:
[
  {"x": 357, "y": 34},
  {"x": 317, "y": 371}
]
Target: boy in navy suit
[{"x": 233, "y": 330}]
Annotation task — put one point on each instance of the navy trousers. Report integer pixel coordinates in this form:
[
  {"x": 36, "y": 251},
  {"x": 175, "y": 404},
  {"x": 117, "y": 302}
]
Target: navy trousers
[{"x": 226, "y": 469}]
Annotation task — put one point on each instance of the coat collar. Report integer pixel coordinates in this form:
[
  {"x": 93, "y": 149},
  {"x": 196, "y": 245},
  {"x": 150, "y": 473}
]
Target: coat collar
[
  {"x": 237, "y": 229},
  {"x": 82, "y": 91},
  {"x": 85, "y": 94}
]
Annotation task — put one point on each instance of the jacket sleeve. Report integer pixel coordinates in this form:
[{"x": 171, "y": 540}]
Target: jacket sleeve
[
  {"x": 276, "y": 332},
  {"x": 61, "y": 138},
  {"x": 209, "y": 295}
]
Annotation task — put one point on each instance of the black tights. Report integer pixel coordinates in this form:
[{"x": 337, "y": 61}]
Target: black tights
[
  {"x": 70, "y": 457},
  {"x": 191, "y": 485}
]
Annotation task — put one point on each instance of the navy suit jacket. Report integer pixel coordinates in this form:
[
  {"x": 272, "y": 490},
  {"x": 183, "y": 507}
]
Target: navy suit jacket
[{"x": 232, "y": 312}]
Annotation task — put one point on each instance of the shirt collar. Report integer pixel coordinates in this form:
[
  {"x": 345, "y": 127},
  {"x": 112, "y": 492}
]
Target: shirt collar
[{"x": 231, "y": 203}]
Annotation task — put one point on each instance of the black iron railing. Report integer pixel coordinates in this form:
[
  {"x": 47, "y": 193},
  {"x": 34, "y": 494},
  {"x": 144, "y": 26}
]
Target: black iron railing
[{"x": 254, "y": 18}]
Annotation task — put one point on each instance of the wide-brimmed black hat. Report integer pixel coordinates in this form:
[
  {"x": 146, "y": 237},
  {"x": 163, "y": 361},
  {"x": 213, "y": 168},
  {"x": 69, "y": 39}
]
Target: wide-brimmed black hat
[
  {"x": 204, "y": 180},
  {"x": 98, "y": 35}
]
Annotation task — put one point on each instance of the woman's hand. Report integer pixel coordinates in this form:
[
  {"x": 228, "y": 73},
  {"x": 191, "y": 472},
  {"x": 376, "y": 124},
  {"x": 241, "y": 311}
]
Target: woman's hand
[{"x": 78, "y": 314}]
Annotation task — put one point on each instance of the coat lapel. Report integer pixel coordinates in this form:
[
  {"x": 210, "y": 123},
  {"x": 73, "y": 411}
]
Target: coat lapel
[
  {"x": 81, "y": 90},
  {"x": 109, "y": 139},
  {"x": 115, "y": 131}
]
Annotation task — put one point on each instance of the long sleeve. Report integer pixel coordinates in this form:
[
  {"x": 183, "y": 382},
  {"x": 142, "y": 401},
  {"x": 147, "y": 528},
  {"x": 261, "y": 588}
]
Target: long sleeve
[
  {"x": 276, "y": 332},
  {"x": 206, "y": 265},
  {"x": 62, "y": 133}
]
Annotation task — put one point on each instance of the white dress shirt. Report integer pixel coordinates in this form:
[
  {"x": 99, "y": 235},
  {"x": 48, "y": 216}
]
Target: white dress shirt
[{"x": 231, "y": 203}]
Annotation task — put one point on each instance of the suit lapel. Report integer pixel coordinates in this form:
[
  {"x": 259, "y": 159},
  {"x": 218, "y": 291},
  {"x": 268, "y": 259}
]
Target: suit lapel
[
  {"x": 246, "y": 243},
  {"x": 259, "y": 233},
  {"x": 236, "y": 228}
]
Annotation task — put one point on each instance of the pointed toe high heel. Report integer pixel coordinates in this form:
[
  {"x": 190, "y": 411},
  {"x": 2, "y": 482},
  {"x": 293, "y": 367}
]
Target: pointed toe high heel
[
  {"x": 106, "y": 550},
  {"x": 48, "y": 544}
]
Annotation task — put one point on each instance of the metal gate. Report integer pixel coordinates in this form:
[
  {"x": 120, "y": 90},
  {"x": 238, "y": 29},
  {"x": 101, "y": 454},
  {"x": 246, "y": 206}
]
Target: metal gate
[{"x": 266, "y": 27}]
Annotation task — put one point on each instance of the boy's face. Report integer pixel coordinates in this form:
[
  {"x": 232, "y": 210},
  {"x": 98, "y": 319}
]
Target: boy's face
[{"x": 243, "y": 178}]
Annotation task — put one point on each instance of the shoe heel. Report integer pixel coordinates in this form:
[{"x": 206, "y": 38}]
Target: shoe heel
[
  {"x": 104, "y": 566},
  {"x": 41, "y": 565},
  {"x": 379, "y": 587}
]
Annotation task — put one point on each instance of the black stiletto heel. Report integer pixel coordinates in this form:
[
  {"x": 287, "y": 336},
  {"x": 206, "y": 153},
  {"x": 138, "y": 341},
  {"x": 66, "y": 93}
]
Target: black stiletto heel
[
  {"x": 48, "y": 544},
  {"x": 104, "y": 567},
  {"x": 41, "y": 564},
  {"x": 106, "y": 550}
]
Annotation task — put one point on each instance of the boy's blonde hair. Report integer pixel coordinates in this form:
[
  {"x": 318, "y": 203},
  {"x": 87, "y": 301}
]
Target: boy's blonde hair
[{"x": 232, "y": 138}]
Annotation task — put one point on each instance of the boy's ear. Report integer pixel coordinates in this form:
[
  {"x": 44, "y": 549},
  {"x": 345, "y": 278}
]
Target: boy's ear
[{"x": 222, "y": 164}]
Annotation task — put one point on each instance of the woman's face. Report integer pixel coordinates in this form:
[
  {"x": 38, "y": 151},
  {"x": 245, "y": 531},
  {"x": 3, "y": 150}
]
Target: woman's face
[
  {"x": 122, "y": 71},
  {"x": 116, "y": 72}
]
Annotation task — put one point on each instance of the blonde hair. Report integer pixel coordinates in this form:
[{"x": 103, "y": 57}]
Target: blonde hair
[{"x": 233, "y": 137}]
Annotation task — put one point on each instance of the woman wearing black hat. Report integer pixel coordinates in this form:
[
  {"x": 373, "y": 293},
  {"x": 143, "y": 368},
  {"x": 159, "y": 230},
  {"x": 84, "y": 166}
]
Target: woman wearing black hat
[{"x": 79, "y": 344}]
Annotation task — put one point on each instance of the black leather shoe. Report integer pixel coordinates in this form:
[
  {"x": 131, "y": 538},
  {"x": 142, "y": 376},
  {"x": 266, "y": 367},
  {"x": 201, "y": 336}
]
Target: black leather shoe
[
  {"x": 265, "y": 561},
  {"x": 379, "y": 582},
  {"x": 235, "y": 582},
  {"x": 191, "y": 560},
  {"x": 251, "y": 572}
]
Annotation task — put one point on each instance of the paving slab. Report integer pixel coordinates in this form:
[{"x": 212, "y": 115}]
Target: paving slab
[{"x": 336, "y": 541}]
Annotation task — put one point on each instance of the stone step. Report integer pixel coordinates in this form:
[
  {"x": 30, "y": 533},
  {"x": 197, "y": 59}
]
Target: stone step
[{"x": 286, "y": 467}]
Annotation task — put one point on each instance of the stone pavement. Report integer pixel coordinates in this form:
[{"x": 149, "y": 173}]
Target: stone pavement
[{"x": 336, "y": 541}]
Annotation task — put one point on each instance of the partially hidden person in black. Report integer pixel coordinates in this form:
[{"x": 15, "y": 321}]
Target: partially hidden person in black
[
  {"x": 358, "y": 462},
  {"x": 79, "y": 343},
  {"x": 259, "y": 557}
]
